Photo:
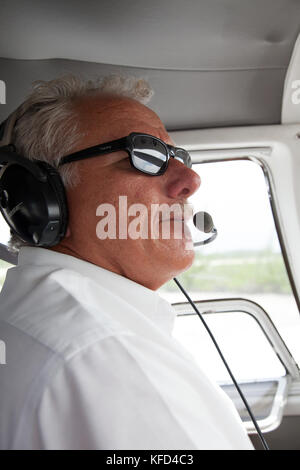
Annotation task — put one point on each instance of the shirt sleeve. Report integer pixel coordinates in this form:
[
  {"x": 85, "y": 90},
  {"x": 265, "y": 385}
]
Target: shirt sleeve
[{"x": 102, "y": 399}]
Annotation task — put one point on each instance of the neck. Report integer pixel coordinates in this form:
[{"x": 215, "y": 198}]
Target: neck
[{"x": 111, "y": 265}]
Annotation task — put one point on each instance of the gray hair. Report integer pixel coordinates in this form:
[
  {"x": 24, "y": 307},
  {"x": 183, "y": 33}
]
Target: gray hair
[{"x": 48, "y": 126}]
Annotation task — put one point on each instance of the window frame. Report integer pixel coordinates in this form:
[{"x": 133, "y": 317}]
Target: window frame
[{"x": 284, "y": 383}]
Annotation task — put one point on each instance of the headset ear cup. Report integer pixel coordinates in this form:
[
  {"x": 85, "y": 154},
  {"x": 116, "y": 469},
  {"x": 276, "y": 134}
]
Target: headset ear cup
[
  {"x": 56, "y": 183},
  {"x": 34, "y": 207}
]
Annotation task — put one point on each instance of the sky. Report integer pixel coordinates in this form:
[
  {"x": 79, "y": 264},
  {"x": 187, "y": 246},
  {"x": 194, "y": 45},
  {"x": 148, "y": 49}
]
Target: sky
[{"x": 235, "y": 194}]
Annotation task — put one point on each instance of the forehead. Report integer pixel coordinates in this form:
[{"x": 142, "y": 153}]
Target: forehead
[{"x": 110, "y": 117}]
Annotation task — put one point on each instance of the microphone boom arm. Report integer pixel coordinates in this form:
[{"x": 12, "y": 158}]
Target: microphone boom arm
[{"x": 208, "y": 240}]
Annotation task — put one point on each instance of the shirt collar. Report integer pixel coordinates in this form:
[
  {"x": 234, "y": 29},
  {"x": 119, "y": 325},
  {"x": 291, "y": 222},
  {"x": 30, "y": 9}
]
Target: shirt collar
[{"x": 147, "y": 301}]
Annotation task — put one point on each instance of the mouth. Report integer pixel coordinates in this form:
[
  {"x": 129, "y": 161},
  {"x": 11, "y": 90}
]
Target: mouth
[
  {"x": 176, "y": 228},
  {"x": 185, "y": 215},
  {"x": 173, "y": 220}
]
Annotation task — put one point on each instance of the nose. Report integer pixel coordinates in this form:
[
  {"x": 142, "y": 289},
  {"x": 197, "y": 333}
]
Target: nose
[{"x": 181, "y": 181}]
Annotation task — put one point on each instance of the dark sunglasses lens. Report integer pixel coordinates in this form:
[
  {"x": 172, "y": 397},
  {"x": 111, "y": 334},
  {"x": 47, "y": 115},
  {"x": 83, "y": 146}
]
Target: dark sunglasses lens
[
  {"x": 149, "y": 155},
  {"x": 184, "y": 157}
]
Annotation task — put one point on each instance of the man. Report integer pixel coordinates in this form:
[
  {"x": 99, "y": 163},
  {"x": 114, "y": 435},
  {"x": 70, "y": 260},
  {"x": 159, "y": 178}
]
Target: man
[{"x": 91, "y": 362}]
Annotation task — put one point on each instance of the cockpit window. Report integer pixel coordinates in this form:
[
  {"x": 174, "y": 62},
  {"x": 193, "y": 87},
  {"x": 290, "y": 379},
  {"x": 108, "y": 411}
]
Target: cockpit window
[{"x": 245, "y": 260}]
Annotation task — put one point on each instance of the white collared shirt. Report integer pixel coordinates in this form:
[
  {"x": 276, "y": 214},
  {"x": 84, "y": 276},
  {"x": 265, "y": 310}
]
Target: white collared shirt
[{"x": 91, "y": 364}]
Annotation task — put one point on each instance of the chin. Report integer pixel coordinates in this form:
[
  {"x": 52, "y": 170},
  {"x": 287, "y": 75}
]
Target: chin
[
  {"x": 168, "y": 268},
  {"x": 181, "y": 256},
  {"x": 168, "y": 259},
  {"x": 185, "y": 262}
]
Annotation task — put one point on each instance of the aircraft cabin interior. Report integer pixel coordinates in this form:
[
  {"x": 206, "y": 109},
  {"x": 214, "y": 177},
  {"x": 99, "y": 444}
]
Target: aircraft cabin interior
[{"x": 226, "y": 81}]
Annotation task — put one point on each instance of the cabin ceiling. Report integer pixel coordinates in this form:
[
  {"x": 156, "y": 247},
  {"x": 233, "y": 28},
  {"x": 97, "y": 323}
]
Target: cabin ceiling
[{"x": 211, "y": 62}]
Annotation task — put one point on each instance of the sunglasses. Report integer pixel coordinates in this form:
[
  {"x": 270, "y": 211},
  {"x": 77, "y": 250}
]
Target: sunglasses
[{"x": 147, "y": 153}]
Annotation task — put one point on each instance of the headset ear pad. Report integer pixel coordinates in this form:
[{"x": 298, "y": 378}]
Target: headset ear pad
[{"x": 35, "y": 208}]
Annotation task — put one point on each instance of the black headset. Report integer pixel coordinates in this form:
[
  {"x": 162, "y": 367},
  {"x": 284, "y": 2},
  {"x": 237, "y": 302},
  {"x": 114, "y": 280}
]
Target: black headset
[{"x": 32, "y": 195}]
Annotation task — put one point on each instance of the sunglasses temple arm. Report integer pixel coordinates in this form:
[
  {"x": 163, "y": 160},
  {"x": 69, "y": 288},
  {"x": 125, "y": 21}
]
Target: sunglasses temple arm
[{"x": 97, "y": 150}]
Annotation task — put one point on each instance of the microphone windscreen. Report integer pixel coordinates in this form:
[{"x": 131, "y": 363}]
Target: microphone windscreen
[{"x": 203, "y": 222}]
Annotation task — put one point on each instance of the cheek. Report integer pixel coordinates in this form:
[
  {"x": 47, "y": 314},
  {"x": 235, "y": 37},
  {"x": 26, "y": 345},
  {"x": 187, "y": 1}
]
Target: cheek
[
  {"x": 139, "y": 191},
  {"x": 123, "y": 190}
]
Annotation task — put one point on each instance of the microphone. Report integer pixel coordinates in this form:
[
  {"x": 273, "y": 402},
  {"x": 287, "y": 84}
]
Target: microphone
[{"x": 203, "y": 221}]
